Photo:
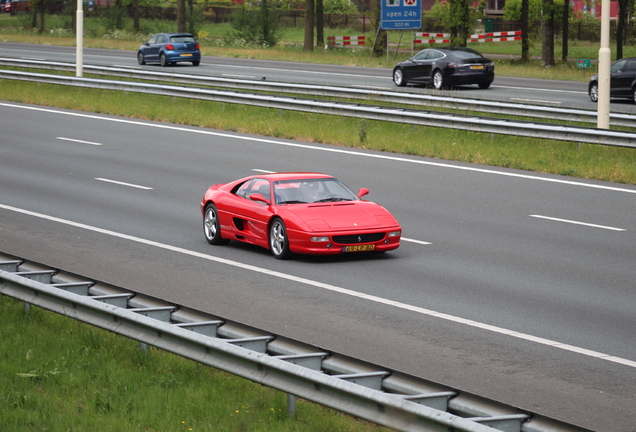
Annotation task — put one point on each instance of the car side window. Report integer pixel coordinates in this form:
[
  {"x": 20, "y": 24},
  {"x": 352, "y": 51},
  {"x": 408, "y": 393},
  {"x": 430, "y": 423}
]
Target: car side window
[
  {"x": 161, "y": 39},
  {"x": 434, "y": 55},
  {"x": 242, "y": 189},
  {"x": 618, "y": 66},
  {"x": 630, "y": 66},
  {"x": 421, "y": 55},
  {"x": 152, "y": 40},
  {"x": 253, "y": 186}
]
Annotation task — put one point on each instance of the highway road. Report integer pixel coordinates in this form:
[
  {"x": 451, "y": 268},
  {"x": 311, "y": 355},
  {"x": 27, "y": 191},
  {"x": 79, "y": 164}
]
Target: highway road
[
  {"x": 564, "y": 94},
  {"x": 516, "y": 286}
]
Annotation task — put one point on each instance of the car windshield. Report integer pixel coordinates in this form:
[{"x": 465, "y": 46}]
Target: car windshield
[{"x": 304, "y": 191}]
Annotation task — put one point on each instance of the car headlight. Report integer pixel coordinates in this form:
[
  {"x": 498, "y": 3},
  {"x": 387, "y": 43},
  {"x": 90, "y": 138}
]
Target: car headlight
[{"x": 395, "y": 233}]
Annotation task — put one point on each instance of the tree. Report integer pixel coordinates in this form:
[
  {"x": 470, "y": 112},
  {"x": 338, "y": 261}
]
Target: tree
[
  {"x": 547, "y": 47},
  {"x": 181, "y": 16},
  {"x": 525, "y": 32},
  {"x": 459, "y": 22},
  {"x": 320, "y": 23},
  {"x": 624, "y": 6},
  {"x": 566, "y": 30},
  {"x": 309, "y": 26},
  {"x": 37, "y": 9}
]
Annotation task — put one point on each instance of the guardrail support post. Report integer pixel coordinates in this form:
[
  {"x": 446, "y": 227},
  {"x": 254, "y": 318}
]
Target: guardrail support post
[{"x": 291, "y": 405}]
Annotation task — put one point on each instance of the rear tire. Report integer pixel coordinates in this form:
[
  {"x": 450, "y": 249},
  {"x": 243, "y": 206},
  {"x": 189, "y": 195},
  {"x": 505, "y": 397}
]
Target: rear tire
[
  {"x": 438, "y": 80},
  {"x": 593, "y": 92},
  {"x": 398, "y": 77},
  {"x": 278, "y": 241},
  {"x": 212, "y": 226},
  {"x": 484, "y": 85},
  {"x": 163, "y": 60},
  {"x": 195, "y": 63}
]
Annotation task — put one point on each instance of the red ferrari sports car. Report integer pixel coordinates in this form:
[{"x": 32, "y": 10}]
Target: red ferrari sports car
[{"x": 306, "y": 213}]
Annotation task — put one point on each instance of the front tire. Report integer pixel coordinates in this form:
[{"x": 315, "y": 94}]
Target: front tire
[
  {"x": 593, "y": 91},
  {"x": 163, "y": 60},
  {"x": 278, "y": 241},
  {"x": 212, "y": 226},
  {"x": 398, "y": 77},
  {"x": 140, "y": 58},
  {"x": 438, "y": 80}
]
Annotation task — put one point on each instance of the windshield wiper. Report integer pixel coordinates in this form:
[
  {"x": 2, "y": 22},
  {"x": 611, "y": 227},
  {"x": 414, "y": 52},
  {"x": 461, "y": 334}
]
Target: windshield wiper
[{"x": 333, "y": 199}]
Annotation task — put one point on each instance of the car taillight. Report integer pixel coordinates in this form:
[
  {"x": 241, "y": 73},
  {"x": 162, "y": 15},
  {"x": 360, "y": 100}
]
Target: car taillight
[
  {"x": 454, "y": 65},
  {"x": 197, "y": 46},
  {"x": 169, "y": 46}
]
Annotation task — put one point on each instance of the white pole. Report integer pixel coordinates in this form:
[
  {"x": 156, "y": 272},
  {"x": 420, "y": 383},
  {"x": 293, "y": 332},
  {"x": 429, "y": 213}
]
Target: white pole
[
  {"x": 79, "y": 57},
  {"x": 604, "y": 64}
]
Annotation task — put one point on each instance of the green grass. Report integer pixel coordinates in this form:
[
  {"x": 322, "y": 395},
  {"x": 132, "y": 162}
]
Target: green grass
[{"x": 62, "y": 375}]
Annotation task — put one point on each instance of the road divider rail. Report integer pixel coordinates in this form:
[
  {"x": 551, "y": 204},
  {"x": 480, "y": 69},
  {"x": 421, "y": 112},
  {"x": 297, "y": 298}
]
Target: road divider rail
[
  {"x": 370, "y": 112},
  {"x": 441, "y": 99},
  {"x": 379, "y": 395}
]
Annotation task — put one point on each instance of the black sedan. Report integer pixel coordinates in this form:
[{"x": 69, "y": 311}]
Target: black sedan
[
  {"x": 170, "y": 48},
  {"x": 622, "y": 80},
  {"x": 445, "y": 67}
]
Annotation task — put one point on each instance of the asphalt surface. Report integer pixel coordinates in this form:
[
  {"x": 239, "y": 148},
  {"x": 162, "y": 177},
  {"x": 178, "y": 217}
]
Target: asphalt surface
[{"x": 516, "y": 286}]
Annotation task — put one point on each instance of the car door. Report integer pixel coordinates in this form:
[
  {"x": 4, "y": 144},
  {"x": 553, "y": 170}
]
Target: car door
[
  {"x": 621, "y": 79},
  {"x": 250, "y": 218},
  {"x": 154, "y": 46},
  {"x": 416, "y": 70}
]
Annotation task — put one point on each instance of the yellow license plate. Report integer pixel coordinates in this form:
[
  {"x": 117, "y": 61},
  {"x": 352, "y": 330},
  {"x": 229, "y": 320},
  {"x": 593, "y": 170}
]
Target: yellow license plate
[
  {"x": 186, "y": 55},
  {"x": 477, "y": 67},
  {"x": 359, "y": 248}
]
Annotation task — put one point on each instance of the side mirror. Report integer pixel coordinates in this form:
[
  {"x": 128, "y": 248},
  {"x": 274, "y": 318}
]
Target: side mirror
[
  {"x": 260, "y": 198},
  {"x": 362, "y": 192}
]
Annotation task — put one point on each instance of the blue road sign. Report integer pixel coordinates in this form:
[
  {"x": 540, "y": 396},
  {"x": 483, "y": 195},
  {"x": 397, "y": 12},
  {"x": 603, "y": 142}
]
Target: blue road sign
[{"x": 400, "y": 14}]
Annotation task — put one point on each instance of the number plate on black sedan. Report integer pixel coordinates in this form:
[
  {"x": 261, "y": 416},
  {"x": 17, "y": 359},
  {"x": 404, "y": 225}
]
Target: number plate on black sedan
[
  {"x": 358, "y": 248},
  {"x": 477, "y": 67}
]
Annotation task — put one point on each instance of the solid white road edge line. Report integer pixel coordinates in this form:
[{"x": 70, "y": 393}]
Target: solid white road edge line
[
  {"x": 578, "y": 223},
  {"x": 123, "y": 184},
  {"x": 334, "y": 288},
  {"x": 333, "y": 150}
]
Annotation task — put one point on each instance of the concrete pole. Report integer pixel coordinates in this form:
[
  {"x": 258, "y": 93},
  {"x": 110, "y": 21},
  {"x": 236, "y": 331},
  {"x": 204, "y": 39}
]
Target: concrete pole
[
  {"x": 79, "y": 57},
  {"x": 604, "y": 64}
]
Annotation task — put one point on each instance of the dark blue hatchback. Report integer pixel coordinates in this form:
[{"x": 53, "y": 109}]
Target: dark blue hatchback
[{"x": 170, "y": 48}]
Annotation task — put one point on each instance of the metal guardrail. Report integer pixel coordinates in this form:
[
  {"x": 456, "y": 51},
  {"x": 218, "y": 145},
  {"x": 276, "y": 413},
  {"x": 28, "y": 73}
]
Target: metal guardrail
[
  {"x": 381, "y": 113},
  {"x": 385, "y": 397},
  {"x": 447, "y": 99}
]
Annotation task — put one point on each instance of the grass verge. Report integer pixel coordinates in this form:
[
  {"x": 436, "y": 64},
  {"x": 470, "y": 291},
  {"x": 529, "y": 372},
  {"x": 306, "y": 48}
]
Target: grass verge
[
  {"x": 555, "y": 157},
  {"x": 61, "y": 375}
]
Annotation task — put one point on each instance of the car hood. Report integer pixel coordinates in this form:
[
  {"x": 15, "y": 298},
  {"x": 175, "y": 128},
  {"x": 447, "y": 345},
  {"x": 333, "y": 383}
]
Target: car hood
[{"x": 344, "y": 216}]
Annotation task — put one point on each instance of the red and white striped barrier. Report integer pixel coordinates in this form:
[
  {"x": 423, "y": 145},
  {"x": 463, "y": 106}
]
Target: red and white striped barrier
[
  {"x": 496, "y": 37},
  {"x": 346, "y": 40},
  {"x": 479, "y": 37},
  {"x": 430, "y": 41},
  {"x": 433, "y": 35}
]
